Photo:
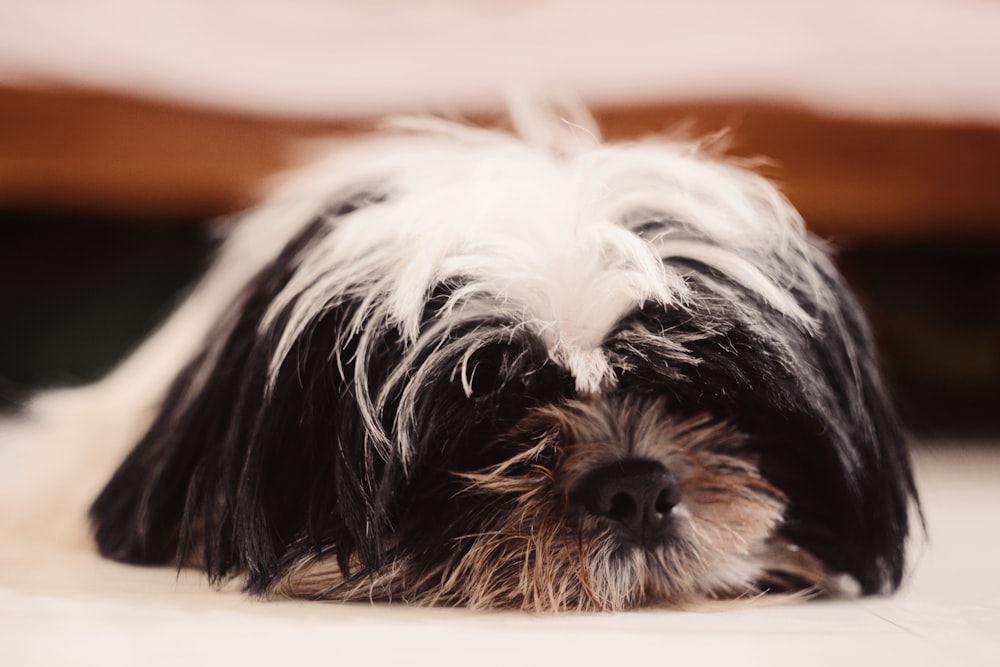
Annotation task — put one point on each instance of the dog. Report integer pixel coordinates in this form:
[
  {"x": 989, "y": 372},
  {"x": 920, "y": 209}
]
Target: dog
[{"x": 446, "y": 365}]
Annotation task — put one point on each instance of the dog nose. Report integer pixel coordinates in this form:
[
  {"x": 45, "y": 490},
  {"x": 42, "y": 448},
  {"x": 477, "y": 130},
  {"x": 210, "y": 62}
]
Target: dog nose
[{"x": 635, "y": 494}]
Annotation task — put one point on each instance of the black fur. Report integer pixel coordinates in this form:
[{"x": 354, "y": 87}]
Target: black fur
[
  {"x": 265, "y": 477},
  {"x": 814, "y": 406},
  {"x": 260, "y": 479}
]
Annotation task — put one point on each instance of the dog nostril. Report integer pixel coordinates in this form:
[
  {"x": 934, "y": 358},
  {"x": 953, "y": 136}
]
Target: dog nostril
[
  {"x": 635, "y": 494},
  {"x": 622, "y": 507},
  {"x": 666, "y": 500}
]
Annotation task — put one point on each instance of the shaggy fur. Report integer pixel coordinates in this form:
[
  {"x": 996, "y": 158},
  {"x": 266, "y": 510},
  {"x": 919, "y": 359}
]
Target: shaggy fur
[{"x": 409, "y": 364}]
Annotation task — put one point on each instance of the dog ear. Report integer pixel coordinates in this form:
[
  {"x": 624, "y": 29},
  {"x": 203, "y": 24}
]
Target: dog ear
[
  {"x": 857, "y": 521},
  {"x": 250, "y": 467},
  {"x": 812, "y": 400},
  {"x": 233, "y": 469},
  {"x": 836, "y": 448}
]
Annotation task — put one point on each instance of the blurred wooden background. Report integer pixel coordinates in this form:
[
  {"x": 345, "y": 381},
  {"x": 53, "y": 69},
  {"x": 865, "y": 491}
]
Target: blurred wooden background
[{"x": 73, "y": 150}]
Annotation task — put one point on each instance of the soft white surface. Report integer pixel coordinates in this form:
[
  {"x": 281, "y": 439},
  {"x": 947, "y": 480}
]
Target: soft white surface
[
  {"x": 71, "y": 608},
  {"x": 929, "y": 59}
]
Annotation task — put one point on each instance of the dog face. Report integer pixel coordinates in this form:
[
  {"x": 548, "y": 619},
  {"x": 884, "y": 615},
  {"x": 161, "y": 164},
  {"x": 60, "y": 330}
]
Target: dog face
[{"x": 473, "y": 371}]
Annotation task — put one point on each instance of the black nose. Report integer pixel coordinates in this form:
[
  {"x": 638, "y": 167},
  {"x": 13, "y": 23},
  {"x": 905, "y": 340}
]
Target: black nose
[{"x": 635, "y": 494}]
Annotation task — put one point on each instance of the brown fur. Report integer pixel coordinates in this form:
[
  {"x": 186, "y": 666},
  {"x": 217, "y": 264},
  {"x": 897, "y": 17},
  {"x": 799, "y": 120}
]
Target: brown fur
[{"x": 536, "y": 552}]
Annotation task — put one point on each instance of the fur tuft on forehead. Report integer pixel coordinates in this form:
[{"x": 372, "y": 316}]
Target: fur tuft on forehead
[{"x": 564, "y": 246}]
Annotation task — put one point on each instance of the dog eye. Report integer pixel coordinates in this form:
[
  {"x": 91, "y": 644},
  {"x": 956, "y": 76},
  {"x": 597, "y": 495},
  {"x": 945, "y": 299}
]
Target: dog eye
[{"x": 506, "y": 374}]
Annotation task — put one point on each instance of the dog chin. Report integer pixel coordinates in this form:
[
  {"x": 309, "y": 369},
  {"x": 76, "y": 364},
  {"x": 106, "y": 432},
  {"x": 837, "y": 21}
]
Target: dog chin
[{"x": 451, "y": 366}]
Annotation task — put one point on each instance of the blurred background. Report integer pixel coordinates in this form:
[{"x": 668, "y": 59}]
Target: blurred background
[{"x": 126, "y": 126}]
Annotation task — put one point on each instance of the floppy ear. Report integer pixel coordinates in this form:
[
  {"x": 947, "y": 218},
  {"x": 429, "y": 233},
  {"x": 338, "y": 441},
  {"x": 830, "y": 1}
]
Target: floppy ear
[
  {"x": 812, "y": 400},
  {"x": 249, "y": 467},
  {"x": 862, "y": 515},
  {"x": 232, "y": 471},
  {"x": 839, "y": 451}
]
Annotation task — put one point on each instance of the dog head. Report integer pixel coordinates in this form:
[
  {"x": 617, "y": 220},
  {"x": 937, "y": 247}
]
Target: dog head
[{"x": 478, "y": 371}]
